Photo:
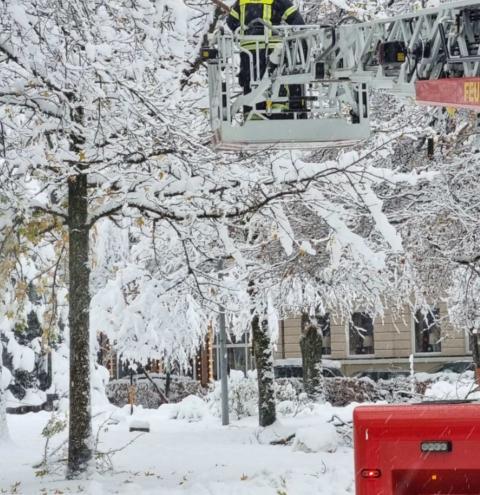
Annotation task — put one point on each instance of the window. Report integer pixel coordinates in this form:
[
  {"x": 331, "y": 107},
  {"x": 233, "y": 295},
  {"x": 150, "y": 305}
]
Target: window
[
  {"x": 427, "y": 331},
  {"x": 239, "y": 355},
  {"x": 360, "y": 335},
  {"x": 324, "y": 324}
]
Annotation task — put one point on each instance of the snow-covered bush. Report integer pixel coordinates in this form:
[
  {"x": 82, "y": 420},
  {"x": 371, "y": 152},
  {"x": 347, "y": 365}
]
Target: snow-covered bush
[
  {"x": 59, "y": 385},
  {"x": 317, "y": 439},
  {"x": 100, "y": 379},
  {"x": 242, "y": 395},
  {"x": 24, "y": 358},
  {"x": 288, "y": 389},
  {"x": 343, "y": 391},
  {"x": 147, "y": 394},
  {"x": 287, "y": 407},
  {"x": 191, "y": 409},
  {"x": 451, "y": 386},
  {"x": 290, "y": 398}
]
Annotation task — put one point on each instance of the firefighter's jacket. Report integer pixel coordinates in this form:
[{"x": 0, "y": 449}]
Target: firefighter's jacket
[{"x": 273, "y": 11}]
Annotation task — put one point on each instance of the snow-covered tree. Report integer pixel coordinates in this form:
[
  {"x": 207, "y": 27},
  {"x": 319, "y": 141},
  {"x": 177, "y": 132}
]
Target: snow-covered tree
[
  {"x": 464, "y": 308},
  {"x": 9, "y": 207},
  {"x": 297, "y": 257},
  {"x": 4, "y": 373},
  {"x": 3, "y": 417},
  {"x": 86, "y": 100},
  {"x": 104, "y": 117},
  {"x": 441, "y": 228}
]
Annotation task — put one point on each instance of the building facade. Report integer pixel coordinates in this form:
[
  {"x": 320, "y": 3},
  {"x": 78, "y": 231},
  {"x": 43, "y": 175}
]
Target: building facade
[
  {"x": 383, "y": 343},
  {"x": 358, "y": 345}
]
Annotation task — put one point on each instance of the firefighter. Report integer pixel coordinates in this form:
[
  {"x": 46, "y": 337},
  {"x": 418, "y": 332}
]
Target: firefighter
[{"x": 242, "y": 15}]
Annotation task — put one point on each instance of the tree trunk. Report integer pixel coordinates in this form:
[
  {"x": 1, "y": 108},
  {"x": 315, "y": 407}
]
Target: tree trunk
[
  {"x": 311, "y": 347},
  {"x": 262, "y": 347},
  {"x": 3, "y": 418},
  {"x": 80, "y": 428},
  {"x": 475, "y": 355}
]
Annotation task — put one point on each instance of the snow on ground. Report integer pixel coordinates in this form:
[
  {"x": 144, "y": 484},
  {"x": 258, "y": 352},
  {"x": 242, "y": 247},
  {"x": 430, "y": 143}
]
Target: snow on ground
[
  {"x": 188, "y": 452},
  {"x": 184, "y": 457}
]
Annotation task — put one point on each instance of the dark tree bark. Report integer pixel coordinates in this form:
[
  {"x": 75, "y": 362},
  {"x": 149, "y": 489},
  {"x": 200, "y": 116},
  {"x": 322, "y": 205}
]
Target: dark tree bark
[
  {"x": 198, "y": 61},
  {"x": 311, "y": 347},
  {"x": 80, "y": 427},
  {"x": 475, "y": 355},
  {"x": 262, "y": 347}
]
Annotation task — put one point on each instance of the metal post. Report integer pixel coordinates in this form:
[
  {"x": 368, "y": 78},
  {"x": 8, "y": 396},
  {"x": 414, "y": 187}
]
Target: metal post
[
  {"x": 130, "y": 393},
  {"x": 223, "y": 360}
]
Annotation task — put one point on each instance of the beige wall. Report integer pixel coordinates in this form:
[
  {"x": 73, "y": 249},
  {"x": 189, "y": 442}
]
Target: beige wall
[
  {"x": 289, "y": 345},
  {"x": 394, "y": 343}
]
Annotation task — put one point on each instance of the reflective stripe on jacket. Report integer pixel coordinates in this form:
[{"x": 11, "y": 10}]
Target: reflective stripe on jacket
[{"x": 272, "y": 11}]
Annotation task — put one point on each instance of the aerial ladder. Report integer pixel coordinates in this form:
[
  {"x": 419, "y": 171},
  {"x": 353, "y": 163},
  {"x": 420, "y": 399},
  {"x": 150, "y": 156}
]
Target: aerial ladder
[{"x": 431, "y": 55}]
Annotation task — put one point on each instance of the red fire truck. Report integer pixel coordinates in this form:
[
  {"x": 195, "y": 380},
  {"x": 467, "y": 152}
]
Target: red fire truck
[{"x": 418, "y": 449}]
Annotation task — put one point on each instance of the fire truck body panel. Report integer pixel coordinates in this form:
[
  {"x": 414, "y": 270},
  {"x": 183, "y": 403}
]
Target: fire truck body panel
[{"x": 417, "y": 449}]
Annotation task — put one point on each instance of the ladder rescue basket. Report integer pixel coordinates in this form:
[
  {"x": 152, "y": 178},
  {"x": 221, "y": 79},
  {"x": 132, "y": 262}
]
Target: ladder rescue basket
[{"x": 287, "y": 106}]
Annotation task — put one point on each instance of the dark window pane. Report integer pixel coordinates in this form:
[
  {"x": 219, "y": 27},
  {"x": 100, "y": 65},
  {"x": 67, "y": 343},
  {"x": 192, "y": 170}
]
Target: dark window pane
[
  {"x": 239, "y": 357},
  {"x": 361, "y": 336},
  {"x": 323, "y": 322},
  {"x": 428, "y": 331}
]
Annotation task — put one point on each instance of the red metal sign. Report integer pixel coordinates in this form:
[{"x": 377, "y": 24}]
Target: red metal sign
[
  {"x": 417, "y": 449},
  {"x": 462, "y": 92}
]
